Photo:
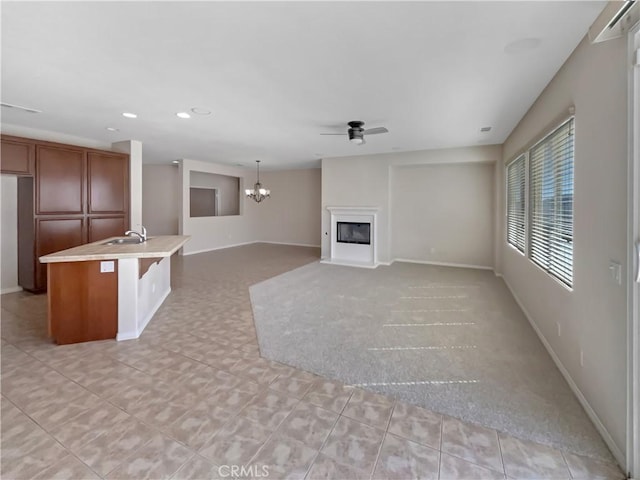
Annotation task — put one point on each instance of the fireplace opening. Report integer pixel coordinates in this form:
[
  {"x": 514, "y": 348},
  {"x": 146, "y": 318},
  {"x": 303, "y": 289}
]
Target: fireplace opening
[{"x": 352, "y": 232}]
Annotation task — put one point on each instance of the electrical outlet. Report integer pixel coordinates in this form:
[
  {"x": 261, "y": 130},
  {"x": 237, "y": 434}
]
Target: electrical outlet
[
  {"x": 107, "y": 267},
  {"x": 581, "y": 358},
  {"x": 153, "y": 288},
  {"x": 559, "y": 329}
]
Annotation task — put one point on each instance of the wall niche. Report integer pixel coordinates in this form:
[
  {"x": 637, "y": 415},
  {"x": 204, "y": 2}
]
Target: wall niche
[{"x": 213, "y": 195}]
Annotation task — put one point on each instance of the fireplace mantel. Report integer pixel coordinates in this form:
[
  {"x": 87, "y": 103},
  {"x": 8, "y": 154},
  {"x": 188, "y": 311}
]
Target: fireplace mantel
[{"x": 350, "y": 254}]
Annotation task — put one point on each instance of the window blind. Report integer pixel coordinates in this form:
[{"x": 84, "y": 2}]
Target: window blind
[
  {"x": 515, "y": 203},
  {"x": 551, "y": 199}
]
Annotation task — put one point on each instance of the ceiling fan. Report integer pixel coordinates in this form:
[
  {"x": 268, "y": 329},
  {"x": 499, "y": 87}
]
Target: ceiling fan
[{"x": 356, "y": 132}]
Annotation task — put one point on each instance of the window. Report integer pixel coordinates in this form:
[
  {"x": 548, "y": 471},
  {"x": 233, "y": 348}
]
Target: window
[
  {"x": 515, "y": 203},
  {"x": 551, "y": 200}
]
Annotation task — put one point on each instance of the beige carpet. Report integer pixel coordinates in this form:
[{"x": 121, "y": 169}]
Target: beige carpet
[{"x": 452, "y": 340}]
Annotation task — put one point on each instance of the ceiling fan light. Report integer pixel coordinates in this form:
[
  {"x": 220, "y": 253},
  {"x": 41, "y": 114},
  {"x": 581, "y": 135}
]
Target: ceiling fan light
[{"x": 357, "y": 140}]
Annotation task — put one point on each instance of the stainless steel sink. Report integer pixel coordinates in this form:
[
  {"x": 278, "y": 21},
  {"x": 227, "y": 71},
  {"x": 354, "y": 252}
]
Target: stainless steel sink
[{"x": 123, "y": 241}]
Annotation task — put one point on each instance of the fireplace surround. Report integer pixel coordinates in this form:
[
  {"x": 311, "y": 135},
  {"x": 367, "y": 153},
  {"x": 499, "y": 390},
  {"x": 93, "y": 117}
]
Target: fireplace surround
[{"x": 353, "y": 236}]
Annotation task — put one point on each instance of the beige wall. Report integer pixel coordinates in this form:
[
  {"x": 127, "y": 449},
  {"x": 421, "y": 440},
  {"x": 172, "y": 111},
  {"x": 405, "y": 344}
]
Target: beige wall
[
  {"x": 160, "y": 199},
  {"x": 228, "y": 193},
  {"x": 292, "y": 213},
  {"x": 368, "y": 180},
  {"x": 592, "y": 317},
  {"x": 210, "y": 233},
  {"x": 361, "y": 181},
  {"x": 9, "y": 233},
  {"x": 443, "y": 213}
]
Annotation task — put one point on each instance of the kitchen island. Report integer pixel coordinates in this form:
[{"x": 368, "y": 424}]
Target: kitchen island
[{"x": 107, "y": 289}]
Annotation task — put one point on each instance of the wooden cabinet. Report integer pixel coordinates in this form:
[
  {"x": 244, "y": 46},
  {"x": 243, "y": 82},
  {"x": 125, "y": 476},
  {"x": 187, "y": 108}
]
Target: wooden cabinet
[
  {"x": 108, "y": 193},
  {"x": 16, "y": 156},
  {"x": 105, "y": 227},
  {"x": 60, "y": 174},
  {"x": 74, "y": 196},
  {"x": 53, "y": 235},
  {"x": 83, "y": 302}
]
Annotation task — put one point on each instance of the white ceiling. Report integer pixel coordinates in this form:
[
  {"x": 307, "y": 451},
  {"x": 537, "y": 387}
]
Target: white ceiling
[{"x": 276, "y": 75}]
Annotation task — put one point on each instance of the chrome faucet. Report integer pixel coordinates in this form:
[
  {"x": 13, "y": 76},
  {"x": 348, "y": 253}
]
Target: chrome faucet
[{"x": 141, "y": 236}]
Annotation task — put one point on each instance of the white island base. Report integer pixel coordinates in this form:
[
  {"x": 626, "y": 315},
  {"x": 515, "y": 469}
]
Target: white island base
[{"x": 140, "y": 298}]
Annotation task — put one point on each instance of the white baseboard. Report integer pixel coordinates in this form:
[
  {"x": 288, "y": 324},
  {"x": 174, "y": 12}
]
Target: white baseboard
[
  {"x": 287, "y": 243},
  {"x": 204, "y": 250},
  {"x": 442, "y": 264},
  {"x": 10, "y": 290},
  {"x": 250, "y": 243},
  {"x": 347, "y": 263},
  {"x": 574, "y": 387},
  {"x": 126, "y": 336}
]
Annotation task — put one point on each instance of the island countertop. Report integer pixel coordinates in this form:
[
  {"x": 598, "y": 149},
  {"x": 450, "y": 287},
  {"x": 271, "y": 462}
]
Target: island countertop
[{"x": 154, "y": 247}]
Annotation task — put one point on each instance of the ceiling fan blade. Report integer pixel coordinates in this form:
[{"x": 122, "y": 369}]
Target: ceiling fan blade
[
  {"x": 373, "y": 131},
  {"x": 333, "y": 134}
]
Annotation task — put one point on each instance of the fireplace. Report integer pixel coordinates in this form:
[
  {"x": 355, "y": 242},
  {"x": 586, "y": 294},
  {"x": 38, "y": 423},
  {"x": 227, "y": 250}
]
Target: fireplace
[
  {"x": 352, "y": 232},
  {"x": 353, "y": 236}
]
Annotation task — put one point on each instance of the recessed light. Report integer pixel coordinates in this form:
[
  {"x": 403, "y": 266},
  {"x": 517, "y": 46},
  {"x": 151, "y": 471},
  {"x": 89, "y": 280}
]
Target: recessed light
[
  {"x": 183, "y": 115},
  {"x": 175, "y": 161},
  {"x": 113, "y": 129},
  {"x": 201, "y": 111},
  {"x": 485, "y": 129},
  {"x": 129, "y": 115}
]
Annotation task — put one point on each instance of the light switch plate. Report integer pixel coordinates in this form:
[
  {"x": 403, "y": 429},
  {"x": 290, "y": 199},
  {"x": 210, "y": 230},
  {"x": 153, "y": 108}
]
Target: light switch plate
[{"x": 106, "y": 267}]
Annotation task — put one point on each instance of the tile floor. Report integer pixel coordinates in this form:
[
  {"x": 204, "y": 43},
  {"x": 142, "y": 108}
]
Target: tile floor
[{"x": 193, "y": 399}]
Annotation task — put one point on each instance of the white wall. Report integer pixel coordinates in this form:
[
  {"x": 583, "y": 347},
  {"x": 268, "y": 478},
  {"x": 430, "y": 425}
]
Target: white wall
[
  {"x": 134, "y": 149},
  {"x": 292, "y": 213},
  {"x": 9, "y": 233},
  {"x": 592, "y": 317},
  {"x": 443, "y": 213},
  {"x": 368, "y": 180},
  {"x": 228, "y": 193},
  {"x": 161, "y": 187},
  {"x": 361, "y": 181},
  {"x": 210, "y": 233}
]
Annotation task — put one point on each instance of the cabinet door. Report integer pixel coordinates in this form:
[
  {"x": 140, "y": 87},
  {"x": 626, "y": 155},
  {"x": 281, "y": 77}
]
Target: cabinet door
[
  {"x": 108, "y": 182},
  {"x": 83, "y": 302},
  {"x": 17, "y": 157},
  {"x": 59, "y": 180},
  {"x": 53, "y": 235},
  {"x": 105, "y": 227}
]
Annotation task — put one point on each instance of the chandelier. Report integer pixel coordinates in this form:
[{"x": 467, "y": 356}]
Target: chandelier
[{"x": 258, "y": 193}]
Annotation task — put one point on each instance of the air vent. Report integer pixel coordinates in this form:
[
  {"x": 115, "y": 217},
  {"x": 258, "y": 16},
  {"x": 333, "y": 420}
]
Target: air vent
[
  {"x": 614, "y": 20},
  {"x": 20, "y": 107}
]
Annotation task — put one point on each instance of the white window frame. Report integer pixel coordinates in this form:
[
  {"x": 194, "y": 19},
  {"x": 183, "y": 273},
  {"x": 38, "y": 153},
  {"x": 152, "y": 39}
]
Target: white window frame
[
  {"x": 553, "y": 272},
  {"x": 524, "y": 157},
  {"x": 528, "y": 204}
]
